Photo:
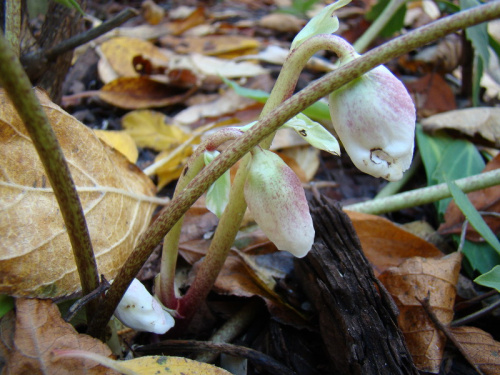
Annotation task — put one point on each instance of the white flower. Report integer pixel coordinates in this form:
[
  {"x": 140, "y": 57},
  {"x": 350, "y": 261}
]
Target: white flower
[
  {"x": 140, "y": 311},
  {"x": 276, "y": 199},
  {"x": 374, "y": 117}
]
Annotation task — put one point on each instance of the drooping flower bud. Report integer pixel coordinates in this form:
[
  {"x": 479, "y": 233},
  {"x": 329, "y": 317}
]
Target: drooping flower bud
[
  {"x": 374, "y": 117},
  {"x": 140, "y": 311},
  {"x": 276, "y": 199}
]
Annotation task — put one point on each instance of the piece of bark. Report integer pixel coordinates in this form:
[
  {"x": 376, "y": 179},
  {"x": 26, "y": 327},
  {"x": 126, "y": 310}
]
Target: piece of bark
[{"x": 357, "y": 317}]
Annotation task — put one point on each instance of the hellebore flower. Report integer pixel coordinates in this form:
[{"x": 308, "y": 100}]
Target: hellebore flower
[
  {"x": 374, "y": 117},
  {"x": 140, "y": 311},
  {"x": 276, "y": 199}
]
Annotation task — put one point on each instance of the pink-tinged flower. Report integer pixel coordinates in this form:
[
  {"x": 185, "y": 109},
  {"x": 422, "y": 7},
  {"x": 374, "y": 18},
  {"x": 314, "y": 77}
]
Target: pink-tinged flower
[
  {"x": 276, "y": 199},
  {"x": 140, "y": 311},
  {"x": 374, "y": 117}
]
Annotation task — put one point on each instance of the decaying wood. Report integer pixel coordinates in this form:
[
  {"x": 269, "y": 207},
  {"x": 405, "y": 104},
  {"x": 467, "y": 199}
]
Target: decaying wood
[{"x": 357, "y": 317}]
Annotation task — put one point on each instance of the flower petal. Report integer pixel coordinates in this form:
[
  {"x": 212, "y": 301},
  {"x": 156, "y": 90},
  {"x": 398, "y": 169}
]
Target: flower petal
[{"x": 276, "y": 199}]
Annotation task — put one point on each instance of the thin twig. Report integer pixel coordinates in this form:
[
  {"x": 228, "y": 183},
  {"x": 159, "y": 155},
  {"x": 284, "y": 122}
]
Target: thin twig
[
  {"x": 78, "y": 305},
  {"x": 33, "y": 61},
  {"x": 476, "y": 315}
]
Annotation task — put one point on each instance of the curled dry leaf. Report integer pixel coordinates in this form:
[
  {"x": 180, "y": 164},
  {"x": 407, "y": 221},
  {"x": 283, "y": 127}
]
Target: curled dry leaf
[
  {"x": 470, "y": 121},
  {"x": 35, "y": 254},
  {"x": 142, "y": 92},
  {"x": 411, "y": 282},
  {"x": 39, "y": 330},
  {"x": 118, "y": 55}
]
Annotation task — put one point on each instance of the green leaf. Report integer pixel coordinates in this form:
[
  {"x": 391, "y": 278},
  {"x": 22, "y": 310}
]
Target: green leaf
[
  {"x": 218, "y": 192},
  {"x": 396, "y": 22},
  {"x": 314, "y": 133},
  {"x": 480, "y": 255},
  {"x": 460, "y": 159},
  {"x": 475, "y": 219},
  {"x": 71, "y": 4},
  {"x": 322, "y": 23},
  {"x": 318, "y": 111},
  {"x": 490, "y": 279},
  {"x": 6, "y": 304},
  {"x": 431, "y": 151},
  {"x": 447, "y": 7},
  {"x": 444, "y": 157}
]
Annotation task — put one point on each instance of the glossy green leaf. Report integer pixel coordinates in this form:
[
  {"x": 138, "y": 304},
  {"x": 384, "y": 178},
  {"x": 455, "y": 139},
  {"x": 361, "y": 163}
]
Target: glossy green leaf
[
  {"x": 218, "y": 192},
  {"x": 318, "y": 111},
  {"x": 490, "y": 279}
]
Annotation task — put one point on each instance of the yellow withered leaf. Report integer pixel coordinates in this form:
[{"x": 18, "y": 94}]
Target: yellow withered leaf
[
  {"x": 149, "y": 365},
  {"x": 121, "y": 141},
  {"x": 36, "y": 258},
  {"x": 148, "y": 129}
]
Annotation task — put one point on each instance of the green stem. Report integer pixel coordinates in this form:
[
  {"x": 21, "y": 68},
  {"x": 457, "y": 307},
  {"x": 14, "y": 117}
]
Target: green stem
[
  {"x": 171, "y": 242},
  {"x": 269, "y": 124},
  {"x": 376, "y": 27},
  {"x": 13, "y": 24},
  {"x": 222, "y": 241},
  {"x": 18, "y": 88},
  {"x": 425, "y": 195}
]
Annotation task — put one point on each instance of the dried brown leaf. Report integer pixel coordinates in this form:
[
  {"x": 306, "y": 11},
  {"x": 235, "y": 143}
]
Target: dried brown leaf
[
  {"x": 39, "y": 330},
  {"x": 35, "y": 254},
  {"x": 431, "y": 94},
  {"x": 409, "y": 284},
  {"x": 480, "y": 347},
  {"x": 142, "y": 92},
  {"x": 197, "y": 17},
  {"x": 387, "y": 245},
  {"x": 213, "y": 45}
]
